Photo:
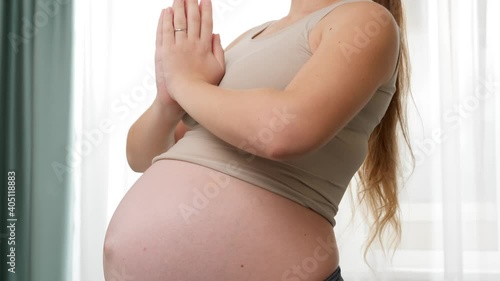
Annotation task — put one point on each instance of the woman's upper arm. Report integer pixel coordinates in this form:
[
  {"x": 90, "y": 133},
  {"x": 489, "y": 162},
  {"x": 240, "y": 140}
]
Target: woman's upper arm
[{"x": 342, "y": 75}]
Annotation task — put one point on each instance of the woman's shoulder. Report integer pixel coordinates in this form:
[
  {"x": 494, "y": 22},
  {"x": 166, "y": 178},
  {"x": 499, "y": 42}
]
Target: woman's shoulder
[{"x": 364, "y": 14}]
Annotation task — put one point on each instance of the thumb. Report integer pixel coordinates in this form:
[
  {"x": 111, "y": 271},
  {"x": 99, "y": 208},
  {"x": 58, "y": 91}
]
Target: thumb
[{"x": 217, "y": 49}]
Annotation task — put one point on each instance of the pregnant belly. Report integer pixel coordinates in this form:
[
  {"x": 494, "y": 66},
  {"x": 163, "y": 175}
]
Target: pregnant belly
[{"x": 182, "y": 221}]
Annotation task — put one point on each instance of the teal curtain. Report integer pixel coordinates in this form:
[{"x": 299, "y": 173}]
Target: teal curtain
[{"x": 35, "y": 88}]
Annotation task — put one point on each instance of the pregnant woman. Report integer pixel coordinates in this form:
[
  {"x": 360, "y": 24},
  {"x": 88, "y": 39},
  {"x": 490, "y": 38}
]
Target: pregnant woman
[{"x": 247, "y": 152}]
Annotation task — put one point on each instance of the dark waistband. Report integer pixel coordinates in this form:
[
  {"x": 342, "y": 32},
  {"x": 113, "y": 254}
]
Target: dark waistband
[{"x": 335, "y": 276}]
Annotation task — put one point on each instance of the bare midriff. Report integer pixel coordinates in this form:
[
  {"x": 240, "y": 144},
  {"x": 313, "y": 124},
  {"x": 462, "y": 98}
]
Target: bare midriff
[{"x": 182, "y": 221}]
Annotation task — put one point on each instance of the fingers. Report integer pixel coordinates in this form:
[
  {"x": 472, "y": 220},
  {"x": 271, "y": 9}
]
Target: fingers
[
  {"x": 193, "y": 18},
  {"x": 197, "y": 19},
  {"x": 206, "y": 21},
  {"x": 180, "y": 19},
  {"x": 159, "y": 30},
  {"x": 167, "y": 27}
]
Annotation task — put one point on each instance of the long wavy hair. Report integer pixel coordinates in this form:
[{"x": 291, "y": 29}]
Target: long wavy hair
[{"x": 380, "y": 174}]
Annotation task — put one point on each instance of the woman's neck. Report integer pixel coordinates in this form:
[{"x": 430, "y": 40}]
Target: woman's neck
[{"x": 300, "y": 8}]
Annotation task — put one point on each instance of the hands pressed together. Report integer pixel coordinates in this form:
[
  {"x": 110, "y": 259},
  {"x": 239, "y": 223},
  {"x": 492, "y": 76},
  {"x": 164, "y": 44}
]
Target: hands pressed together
[{"x": 186, "y": 49}]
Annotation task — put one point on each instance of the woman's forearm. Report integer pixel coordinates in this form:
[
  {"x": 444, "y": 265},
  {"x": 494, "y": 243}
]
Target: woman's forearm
[
  {"x": 151, "y": 135},
  {"x": 257, "y": 120}
]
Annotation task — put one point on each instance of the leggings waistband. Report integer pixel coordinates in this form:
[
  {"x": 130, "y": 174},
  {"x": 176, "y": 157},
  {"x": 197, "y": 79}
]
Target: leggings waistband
[{"x": 335, "y": 276}]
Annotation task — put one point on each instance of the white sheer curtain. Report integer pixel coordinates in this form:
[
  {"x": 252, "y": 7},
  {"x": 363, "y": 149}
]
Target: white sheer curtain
[{"x": 451, "y": 203}]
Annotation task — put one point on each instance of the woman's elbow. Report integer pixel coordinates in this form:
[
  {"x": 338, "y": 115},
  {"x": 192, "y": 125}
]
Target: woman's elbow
[{"x": 137, "y": 165}]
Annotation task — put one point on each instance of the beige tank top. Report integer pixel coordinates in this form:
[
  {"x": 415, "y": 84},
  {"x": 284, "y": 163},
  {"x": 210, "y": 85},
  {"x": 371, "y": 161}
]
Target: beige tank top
[{"x": 317, "y": 180}]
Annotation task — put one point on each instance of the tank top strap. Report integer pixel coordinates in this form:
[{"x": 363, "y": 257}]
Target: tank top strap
[{"x": 317, "y": 16}]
